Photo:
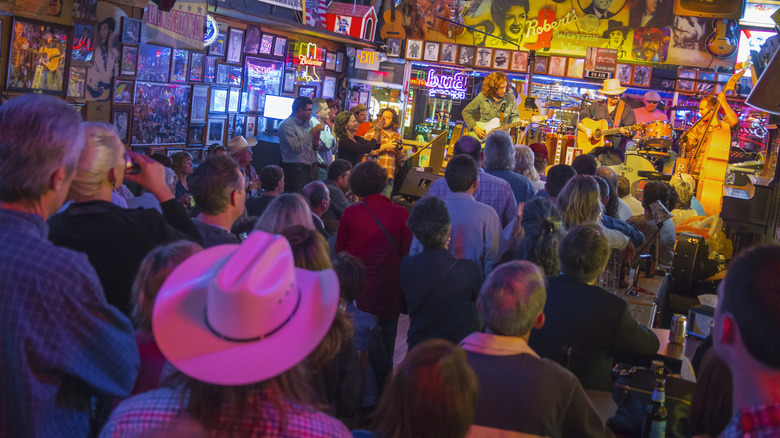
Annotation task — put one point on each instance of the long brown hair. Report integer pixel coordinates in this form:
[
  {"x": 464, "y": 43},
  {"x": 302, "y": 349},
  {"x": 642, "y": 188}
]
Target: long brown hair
[
  {"x": 432, "y": 395},
  {"x": 492, "y": 82}
]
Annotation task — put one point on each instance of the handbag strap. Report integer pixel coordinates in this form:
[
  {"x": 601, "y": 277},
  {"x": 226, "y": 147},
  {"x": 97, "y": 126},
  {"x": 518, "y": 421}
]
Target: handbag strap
[
  {"x": 384, "y": 230},
  {"x": 442, "y": 274}
]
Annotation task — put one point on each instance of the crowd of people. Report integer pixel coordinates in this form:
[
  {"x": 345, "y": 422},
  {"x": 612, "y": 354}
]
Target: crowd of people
[{"x": 231, "y": 302}]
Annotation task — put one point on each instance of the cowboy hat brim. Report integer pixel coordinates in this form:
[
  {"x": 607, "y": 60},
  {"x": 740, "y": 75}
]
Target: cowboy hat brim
[
  {"x": 620, "y": 90},
  {"x": 185, "y": 339}
]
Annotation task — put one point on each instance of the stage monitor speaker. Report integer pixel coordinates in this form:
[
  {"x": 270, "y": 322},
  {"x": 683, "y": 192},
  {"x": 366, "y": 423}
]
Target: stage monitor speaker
[
  {"x": 766, "y": 94},
  {"x": 417, "y": 183},
  {"x": 728, "y": 9},
  {"x": 164, "y": 5}
]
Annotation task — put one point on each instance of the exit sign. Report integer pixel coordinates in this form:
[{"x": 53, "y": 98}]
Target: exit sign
[{"x": 367, "y": 60}]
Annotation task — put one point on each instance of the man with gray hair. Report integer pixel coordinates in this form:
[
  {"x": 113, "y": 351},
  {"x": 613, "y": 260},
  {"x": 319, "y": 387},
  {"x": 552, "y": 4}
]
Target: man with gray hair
[
  {"x": 518, "y": 391},
  {"x": 65, "y": 346},
  {"x": 500, "y": 162},
  {"x": 317, "y": 196}
]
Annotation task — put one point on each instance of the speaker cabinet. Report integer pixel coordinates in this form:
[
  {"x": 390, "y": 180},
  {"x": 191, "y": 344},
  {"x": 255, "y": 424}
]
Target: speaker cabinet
[
  {"x": 728, "y": 9},
  {"x": 766, "y": 94}
]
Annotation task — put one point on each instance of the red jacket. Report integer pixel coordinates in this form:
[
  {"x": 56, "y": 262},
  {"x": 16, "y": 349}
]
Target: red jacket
[{"x": 360, "y": 235}]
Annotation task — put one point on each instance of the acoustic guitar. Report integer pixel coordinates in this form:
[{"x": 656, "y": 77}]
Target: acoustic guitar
[
  {"x": 722, "y": 43},
  {"x": 394, "y": 24},
  {"x": 600, "y": 130}
]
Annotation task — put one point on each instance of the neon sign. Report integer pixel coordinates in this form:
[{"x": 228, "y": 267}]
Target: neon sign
[
  {"x": 307, "y": 57},
  {"x": 442, "y": 84},
  {"x": 212, "y": 31}
]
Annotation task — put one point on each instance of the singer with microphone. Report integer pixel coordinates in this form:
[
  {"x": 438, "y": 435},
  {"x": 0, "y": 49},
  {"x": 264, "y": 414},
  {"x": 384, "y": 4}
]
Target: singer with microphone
[{"x": 492, "y": 103}]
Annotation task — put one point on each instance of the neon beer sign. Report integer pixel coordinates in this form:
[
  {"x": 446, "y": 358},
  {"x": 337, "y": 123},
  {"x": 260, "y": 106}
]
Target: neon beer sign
[{"x": 450, "y": 85}]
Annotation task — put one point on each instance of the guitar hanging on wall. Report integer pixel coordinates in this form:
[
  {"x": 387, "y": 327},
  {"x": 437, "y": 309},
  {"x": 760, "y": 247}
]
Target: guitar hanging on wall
[
  {"x": 722, "y": 42},
  {"x": 450, "y": 29},
  {"x": 394, "y": 24},
  {"x": 527, "y": 107}
]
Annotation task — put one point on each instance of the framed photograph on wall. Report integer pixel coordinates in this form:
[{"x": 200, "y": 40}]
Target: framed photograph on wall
[
  {"x": 159, "y": 105},
  {"x": 328, "y": 87},
  {"x": 195, "y": 135},
  {"x": 414, "y": 49},
  {"x": 43, "y": 68},
  {"x": 83, "y": 43},
  {"x": 76, "y": 82},
  {"x": 263, "y": 77},
  {"x": 519, "y": 61},
  {"x": 131, "y": 30},
  {"x": 624, "y": 73},
  {"x": 540, "y": 68},
  {"x": 123, "y": 92},
  {"x": 223, "y": 74},
  {"x": 309, "y": 91},
  {"x": 280, "y": 46},
  {"x": 394, "y": 47},
  {"x": 154, "y": 63},
  {"x": 686, "y": 80},
  {"x": 252, "y": 40},
  {"x": 705, "y": 82},
  {"x": 210, "y": 70},
  {"x": 215, "y": 132},
  {"x": 501, "y": 59},
  {"x": 466, "y": 55},
  {"x": 217, "y": 48},
  {"x": 180, "y": 66},
  {"x": 251, "y": 126},
  {"x": 266, "y": 44},
  {"x": 484, "y": 57},
  {"x": 120, "y": 117},
  {"x": 129, "y": 63},
  {"x": 197, "y": 61},
  {"x": 330, "y": 61},
  {"x": 289, "y": 81},
  {"x": 234, "y": 98},
  {"x": 339, "y": 62},
  {"x": 557, "y": 66},
  {"x": 239, "y": 125},
  {"x": 449, "y": 53},
  {"x": 431, "y": 52},
  {"x": 218, "y": 100},
  {"x": 200, "y": 98},
  {"x": 236, "y": 73},
  {"x": 575, "y": 68},
  {"x": 642, "y": 75},
  {"x": 723, "y": 78},
  {"x": 235, "y": 45}
]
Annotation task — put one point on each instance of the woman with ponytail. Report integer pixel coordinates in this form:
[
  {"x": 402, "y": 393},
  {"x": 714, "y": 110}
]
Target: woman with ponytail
[{"x": 543, "y": 229}]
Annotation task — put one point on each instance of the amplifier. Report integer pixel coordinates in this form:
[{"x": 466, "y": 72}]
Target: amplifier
[{"x": 417, "y": 183}]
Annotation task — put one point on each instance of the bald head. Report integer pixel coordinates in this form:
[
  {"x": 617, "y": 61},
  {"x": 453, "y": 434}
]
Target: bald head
[
  {"x": 470, "y": 146},
  {"x": 512, "y": 298},
  {"x": 608, "y": 174}
]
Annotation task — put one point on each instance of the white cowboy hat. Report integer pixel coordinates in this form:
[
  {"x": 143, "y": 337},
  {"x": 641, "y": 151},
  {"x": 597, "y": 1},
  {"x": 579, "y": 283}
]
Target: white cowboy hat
[
  {"x": 240, "y": 314},
  {"x": 238, "y": 144},
  {"x": 612, "y": 87}
]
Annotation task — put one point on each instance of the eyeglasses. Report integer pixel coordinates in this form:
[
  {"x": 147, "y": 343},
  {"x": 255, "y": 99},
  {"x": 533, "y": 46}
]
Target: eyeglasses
[{"x": 652, "y": 101}]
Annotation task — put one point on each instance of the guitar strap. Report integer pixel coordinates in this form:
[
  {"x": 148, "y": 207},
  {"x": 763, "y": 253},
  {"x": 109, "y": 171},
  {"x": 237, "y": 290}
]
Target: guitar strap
[{"x": 619, "y": 113}]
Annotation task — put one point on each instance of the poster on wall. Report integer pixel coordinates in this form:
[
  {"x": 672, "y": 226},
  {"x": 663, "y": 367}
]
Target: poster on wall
[
  {"x": 51, "y": 11},
  {"x": 262, "y": 78},
  {"x": 181, "y": 28},
  {"x": 37, "y": 57},
  {"x": 105, "y": 56},
  {"x": 160, "y": 114}
]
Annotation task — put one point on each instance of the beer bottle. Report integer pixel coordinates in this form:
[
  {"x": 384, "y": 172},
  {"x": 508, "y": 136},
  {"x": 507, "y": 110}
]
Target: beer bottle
[{"x": 654, "y": 425}]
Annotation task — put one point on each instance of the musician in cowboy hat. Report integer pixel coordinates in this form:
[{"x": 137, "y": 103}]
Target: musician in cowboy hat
[
  {"x": 240, "y": 149},
  {"x": 610, "y": 109}
]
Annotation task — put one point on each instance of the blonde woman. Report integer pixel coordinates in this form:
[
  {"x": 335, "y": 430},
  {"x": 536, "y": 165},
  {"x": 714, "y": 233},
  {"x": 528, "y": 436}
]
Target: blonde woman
[{"x": 283, "y": 212}]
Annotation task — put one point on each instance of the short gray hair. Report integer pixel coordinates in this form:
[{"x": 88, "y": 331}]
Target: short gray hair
[
  {"x": 512, "y": 297},
  {"x": 499, "y": 151},
  {"x": 314, "y": 192},
  {"x": 524, "y": 162},
  {"x": 38, "y": 135},
  {"x": 101, "y": 153}
]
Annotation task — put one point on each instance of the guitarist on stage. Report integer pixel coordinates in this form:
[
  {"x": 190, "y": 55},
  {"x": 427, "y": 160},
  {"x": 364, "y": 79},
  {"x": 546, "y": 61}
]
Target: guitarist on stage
[
  {"x": 608, "y": 110},
  {"x": 493, "y": 102}
]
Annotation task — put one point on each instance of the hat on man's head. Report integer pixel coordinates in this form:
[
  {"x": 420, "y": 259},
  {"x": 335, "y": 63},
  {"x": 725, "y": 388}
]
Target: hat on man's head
[
  {"x": 652, "y": 95},
  {"x": 333, "y": 103},
  {"x": 358, "y": 108},
  {"x": 614, "y": 25},
  {"x": 612, "y": 87},
  {"x": 238, "y": 144},
  {"x": 241, "y": 314},
  {"x": 540, "y": 150}
]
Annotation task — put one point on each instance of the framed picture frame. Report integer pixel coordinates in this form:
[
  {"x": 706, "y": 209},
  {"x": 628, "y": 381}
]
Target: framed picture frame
[
  {"x": 309, "y": 91},
  {"x": 82, "y": 45},
  {"x": 540, "y": 67},
  {"x": 131, "y": 30},
  {"x": 519, "y": 61},
  {"x": 120, "y": 118},
  {"x": 414, "y": 49},
  {"x": 431, "y": 52},
  {"x": 251, "y": 126},
  {"x": 210, "y": 70},
  {"x": 624, "y": 73},
  {"x": 723, "y": 78},
  {"x": 236, "y": 73},
  {"x": 235, "y": 45},
  {"x": 252, "y": 40},
  {"x": 329, "y": 87},
  {"x": 200, "y": 103},
  {"x": 234, "y": 99},
  {"x": 280, "y": 46},
  {"x": 123, "y": 92},
  {"x": 266, "y": 44},
  {"x": 129, "y": 63},
  {"x": 262, "y": 77},
  {"x": 575, "y": 68},
  {"x": 642, "y": 74},
  {"x": 466, "y": 55},
  {"x": 195, "y": 135},
  {"x": 449, "y": 53},
  {"x": 289, "y": 81},
  {"x": 217, "y": 48},
  {"x": 557, "y": 66},
  {"x": 223, "y": 74},
  {"x": 180, "y": 66},
  {"x": 686, "y": 80},
  {"x": 239, "y": 125},
  {"x": 160, "y": 105},
  {"x": 705, "y": 82},
  {"x": 330, "y": 61},
  {"x": 339, "y": 62},
  {"x": 229, "y": 124},
  {"x": 218, "y": 97},
  {"x": 197, "y": 61},
  {"x": 36, "y": 62},
  {"x": 154, "y": 63},
  {"x": 215, "y": 132},
  {"x": 77, "y": 80},
  {"x": 484, "y": 57},
  {"x": 394, "y": 47},
  {"x": 501, "y": 59}
]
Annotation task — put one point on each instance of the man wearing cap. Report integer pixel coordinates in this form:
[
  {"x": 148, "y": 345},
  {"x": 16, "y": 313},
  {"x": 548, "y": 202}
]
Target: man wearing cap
[
  {"x": 608, "y": 110},
  {"x": 63, "y": 346},
  {"x": 218, "y": 186},
  {"x": 241, "y": 150},
  {"x": 299, "y": 138},
  {"x": 360, "y": 112},
  {"x": 650, "y": 112},
  {"x": 540, "y": 161}
]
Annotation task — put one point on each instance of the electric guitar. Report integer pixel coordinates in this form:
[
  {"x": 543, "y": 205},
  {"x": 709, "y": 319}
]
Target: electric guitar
[
  {"x": 527, "y": 108},
  {"x": 722, "y": 43},
  {"x": 600, "y": 130},
  {"x": 495, "y": 124},
  {"x": 559, "y": 145},
  {"x": 449, "y": 29},
  {"x": 394, "y": 24}
]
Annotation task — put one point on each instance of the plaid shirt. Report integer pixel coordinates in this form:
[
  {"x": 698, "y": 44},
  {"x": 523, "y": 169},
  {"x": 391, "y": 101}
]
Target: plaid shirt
[
  {"x": 757, "y": 422},
  {"x": 492, "y": 191},
  {"x": 62, "y": 343},
  {"x": 385, "y": 159},
  {"x": 145, "y": 413}
]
